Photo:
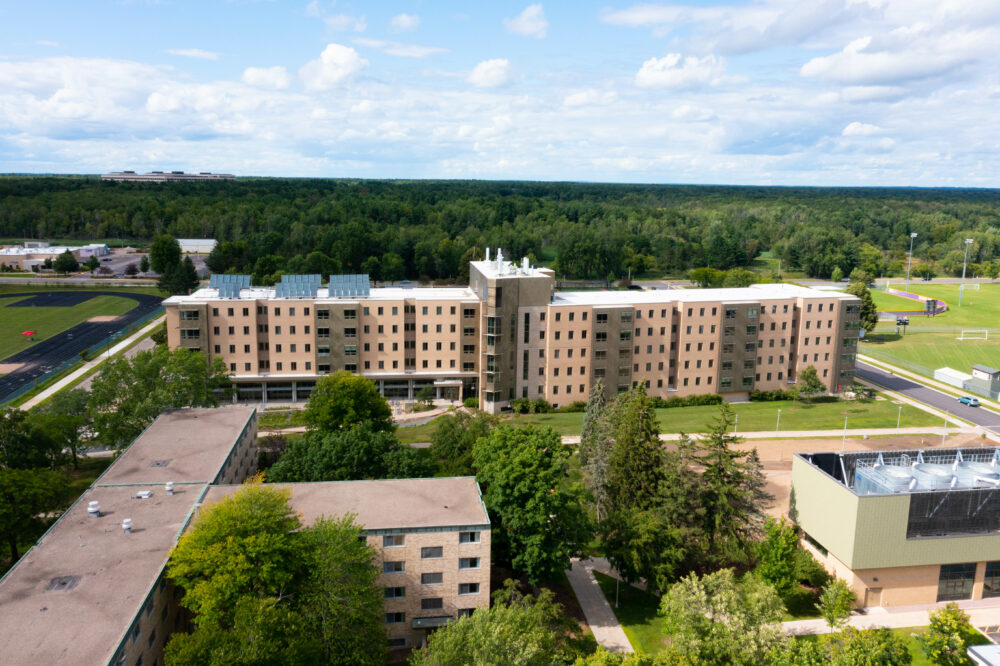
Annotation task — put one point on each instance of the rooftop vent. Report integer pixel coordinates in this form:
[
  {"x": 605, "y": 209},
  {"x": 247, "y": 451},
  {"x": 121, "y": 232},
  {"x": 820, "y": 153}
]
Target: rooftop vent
[
  {"x": 62, "y": 583},
  {"x": 127, "y": 526},
  {"x": 159, "y": 463},
  {"x": 94, "y": 509},
  {"x": 144, "y": 494},
  {"x": 169, "y": 487}
]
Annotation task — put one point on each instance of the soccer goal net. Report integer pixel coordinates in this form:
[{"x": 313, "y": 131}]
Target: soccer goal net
[
  {"x": 974, "y": 334},
  {"x": 971, "y": 285}
]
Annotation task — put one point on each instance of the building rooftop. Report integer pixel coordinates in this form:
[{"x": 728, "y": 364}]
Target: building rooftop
[
  {"x": 183, "y": 446},
  {"x": 385, "y": 505},
  {"x": 752, "y": 294},
  {"x": 911, "y": 471},
  {"x": 74, "y": 594},
  {"x": 18, "y": 250},
  {"x": 501, "y": 268},
  {"x": 107, "y": 575},
  {"x": 986, "y": 369},
  {"x": 322, "y": 295}
]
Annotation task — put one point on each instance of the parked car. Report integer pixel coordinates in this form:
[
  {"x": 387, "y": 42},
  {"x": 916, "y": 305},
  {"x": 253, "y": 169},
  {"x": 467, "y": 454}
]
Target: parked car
[
  {"x": 106, "y": 259},
  {"x": 969, "y": 400}
]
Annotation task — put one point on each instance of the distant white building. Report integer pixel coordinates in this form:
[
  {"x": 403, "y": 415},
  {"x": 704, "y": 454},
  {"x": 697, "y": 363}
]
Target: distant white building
[
  {"x": 197, "y": 245},
  {"x": 35, "y": 253}
]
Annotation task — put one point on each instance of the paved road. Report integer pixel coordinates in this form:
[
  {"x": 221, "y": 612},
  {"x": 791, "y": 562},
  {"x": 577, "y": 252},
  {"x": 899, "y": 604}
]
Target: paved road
[
  {"x": 979, "y": 415},
  {"x": 50, "y": 353}
]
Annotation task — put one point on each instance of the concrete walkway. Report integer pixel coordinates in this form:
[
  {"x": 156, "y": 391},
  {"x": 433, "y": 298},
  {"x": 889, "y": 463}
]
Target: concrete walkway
[
  {"x": 73, "y": 377},
  {"x": 982, "y": 613},
  {"x": 813, "y": 434},
  {"x": 607, "y": 631}
]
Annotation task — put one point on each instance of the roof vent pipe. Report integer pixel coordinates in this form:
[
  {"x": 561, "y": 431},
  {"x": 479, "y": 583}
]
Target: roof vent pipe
[
  {"x": 487, "y": 254},
  {"x": 169, "y": 487},
  {"x": 524, "y": 264},
  {"x": 94, "y": 509},
  {"x": 127, "y": 526}
]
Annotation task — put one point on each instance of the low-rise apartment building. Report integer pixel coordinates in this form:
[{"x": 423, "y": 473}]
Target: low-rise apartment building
[
  {"x": 510, "y": 335},
  {"x": 432, "y": 537},
  {"x": 903, "y": 527},
  {"x": 93, "y": 589}
]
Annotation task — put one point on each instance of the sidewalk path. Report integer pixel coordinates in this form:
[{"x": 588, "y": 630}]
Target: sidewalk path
[
  {"x": 607, "y": 631},
  {"x": 982, "y": 613},
  {"x": 74, "y": 376},
  {"x": 813, "y": 434}
]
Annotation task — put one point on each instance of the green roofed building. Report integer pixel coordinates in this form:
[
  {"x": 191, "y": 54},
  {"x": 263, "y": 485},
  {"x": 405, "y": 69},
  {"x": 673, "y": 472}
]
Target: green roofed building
[{"x": 903, "y": 527}]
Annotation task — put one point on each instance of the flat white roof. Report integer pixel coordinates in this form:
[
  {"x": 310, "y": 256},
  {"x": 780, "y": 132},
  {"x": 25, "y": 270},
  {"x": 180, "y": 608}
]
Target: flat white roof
[
  {"x": 502, "y": 269},
  {"x": 753, "y": 293},
  {"x": 48, "y": 249},
  {"x": 322, "y": 295}
]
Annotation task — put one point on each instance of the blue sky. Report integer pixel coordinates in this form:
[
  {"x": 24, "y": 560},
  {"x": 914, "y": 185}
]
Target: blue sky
[{"x": 822, "y": 92}]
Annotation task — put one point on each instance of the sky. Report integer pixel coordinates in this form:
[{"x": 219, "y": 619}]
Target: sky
[{"x": 771, "y": 92}]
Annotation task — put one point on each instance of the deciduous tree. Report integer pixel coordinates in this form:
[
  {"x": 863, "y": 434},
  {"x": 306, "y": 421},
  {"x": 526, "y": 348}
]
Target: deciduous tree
[
  {"x": 66, "y": 263},
  {"x": 949, "y": 636},
  {"x": 128, "y": 393},
  {"x": 454, "y": 437},
  {"x": 777, "y": 555},
  {"x": 164, "y": 253},
  {"x": 538, "y": 513},
  {"x": 809, "y": 383},
  {"x": 343, "y": 400},
  {"x": 869, "y": 313},
  {"x": 835, "y": 603},
  {"x": 26, "y": 495}
]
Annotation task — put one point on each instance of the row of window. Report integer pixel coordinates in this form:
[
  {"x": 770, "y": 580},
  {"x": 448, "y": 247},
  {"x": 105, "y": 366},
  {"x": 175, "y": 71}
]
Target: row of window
[
  {"x": 400, "y": 618},
  {"x": 399, "y": 592},
  {"x": 399, "y": 566},
  {"x": 428, "y": 552}
]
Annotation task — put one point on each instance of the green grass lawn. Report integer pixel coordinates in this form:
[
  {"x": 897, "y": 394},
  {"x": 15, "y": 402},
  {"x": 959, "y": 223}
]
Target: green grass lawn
[
  {"x": 637, "y": 613},
  {"x": 762, "y": 416},
  {"x": 115, "y": 287},
  {"x": 46, "y": 321},
  {"x": 930, "y": 342},
  {"x": 277, "y": 420}
]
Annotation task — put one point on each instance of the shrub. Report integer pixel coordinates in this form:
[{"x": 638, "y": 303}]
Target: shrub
[
  {"x": 541, "y": 406},
  {"x": 471, "y": 403},
  {"x": 521, "y": 405},
  {"x": 576, "y": 406},
  {"x": 690, "y": 401},
  {"x": 771, "y": 396}
]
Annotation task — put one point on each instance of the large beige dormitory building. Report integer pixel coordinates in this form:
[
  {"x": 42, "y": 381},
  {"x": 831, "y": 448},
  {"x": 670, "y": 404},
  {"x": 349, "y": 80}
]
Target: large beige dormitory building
[
  {"x": 90, "y": 593},
  {"x": 509, "y": 335}
]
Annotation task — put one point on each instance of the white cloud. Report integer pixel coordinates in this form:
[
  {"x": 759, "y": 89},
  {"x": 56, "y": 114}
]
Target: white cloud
[
  {"x": 677, "y": 72},
  {"x": 490, "y": 73},
  {"x": 200, "y": 54},
  {"x": 529, "y": 23},
  {"x": 276, "y": 78},
  {"x": 400, "y": 49},
  {"x": 404, "y": 22},
  {"x": 861, "y": 129},
  {"x": 336, "y": 64},
  {"x": 689, "y": 113},
  {"x": 46, "y": 42},
  {"x": 590, "y": 98},
  {"x": 345, "y": 22}
]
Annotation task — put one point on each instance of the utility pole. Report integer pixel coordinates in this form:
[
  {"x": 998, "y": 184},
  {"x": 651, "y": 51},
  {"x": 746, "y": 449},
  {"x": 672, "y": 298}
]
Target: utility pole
[
  {"x": 910, "y": 259},
  {"x": 968, "y": 242}
]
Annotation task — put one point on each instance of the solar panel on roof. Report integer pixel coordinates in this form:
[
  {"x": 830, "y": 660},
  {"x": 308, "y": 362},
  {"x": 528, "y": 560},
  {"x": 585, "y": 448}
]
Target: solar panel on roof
[{"x": 349, "y": 286}]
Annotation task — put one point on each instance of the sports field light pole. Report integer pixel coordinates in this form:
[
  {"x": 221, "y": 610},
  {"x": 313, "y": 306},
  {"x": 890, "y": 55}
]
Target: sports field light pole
[
  {"x": 910, "y": 259},
  {"x": 968, "y": 242}
]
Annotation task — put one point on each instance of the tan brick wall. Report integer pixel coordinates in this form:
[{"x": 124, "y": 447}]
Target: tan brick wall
[{"x": 447, "y": 590}]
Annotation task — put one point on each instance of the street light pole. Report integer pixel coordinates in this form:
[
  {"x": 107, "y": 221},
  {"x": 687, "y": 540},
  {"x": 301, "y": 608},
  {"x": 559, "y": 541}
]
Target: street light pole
[
  {"x": 777, "y": 424},
  {"x": 899, "y": 418},
  {"x": 944, "y": 431},
  {"x": 968, "y": 242},
  {"x": 843, "y": 441},
  {"x": 910, "y": 259},
  {"x": 736, "y": 424}
]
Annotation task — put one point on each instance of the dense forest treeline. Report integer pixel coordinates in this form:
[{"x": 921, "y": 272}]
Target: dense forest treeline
[{"x": 430, "y": 229}]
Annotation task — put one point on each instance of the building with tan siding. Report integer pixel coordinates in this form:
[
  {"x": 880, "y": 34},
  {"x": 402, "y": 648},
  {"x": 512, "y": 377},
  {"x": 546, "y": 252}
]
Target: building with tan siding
[
  {"x": 90, "y": 592},
  {"x": 510, "y": 335},
  {"x": 903, "y": 527}
]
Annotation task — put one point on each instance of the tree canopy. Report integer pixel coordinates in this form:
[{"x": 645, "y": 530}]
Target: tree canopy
[{"x": 344, "y": 400}]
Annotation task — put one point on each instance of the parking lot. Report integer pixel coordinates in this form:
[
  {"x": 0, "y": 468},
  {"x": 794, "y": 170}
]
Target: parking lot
[{"x": 119, "y": 259}]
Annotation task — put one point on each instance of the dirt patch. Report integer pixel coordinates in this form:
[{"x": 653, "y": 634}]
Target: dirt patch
[
  {"x": 102, "y": 318},
  {"x": 8, "y": 367}
]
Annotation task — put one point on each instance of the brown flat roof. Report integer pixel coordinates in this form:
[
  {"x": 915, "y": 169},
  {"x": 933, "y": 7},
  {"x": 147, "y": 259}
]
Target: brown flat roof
[
  {"x": 385, "y": 505},
  {"x": 184, "y": 445},
  {"x": 85, "y": 624}
]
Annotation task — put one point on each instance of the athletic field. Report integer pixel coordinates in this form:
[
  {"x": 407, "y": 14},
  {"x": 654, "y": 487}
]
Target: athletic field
[
  {"x": 931, "y": 342},
  {"x": 17, "y": 314}
]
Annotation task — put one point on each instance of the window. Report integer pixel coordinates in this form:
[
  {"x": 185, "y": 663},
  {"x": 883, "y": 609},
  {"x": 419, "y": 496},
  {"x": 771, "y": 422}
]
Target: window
[
  {"x": 395, "y": 593},
  {"x": 991, "y": 583},
  {"x": 465, "y": 612},
  {"x": 625, "y": 335},
  {"x": 473, "y": 563},
  {"x": 431, "y": 578},
  {"x": 601, "y": 318},
  {"x": 468, "y": 588},
  {"x": 190, "y": 334},
  {"x": 431, "y": 552},
  {"x": 393, "y": 540},
  {"x": 434, "y": 603},
  {"x": 190, "y": 315},
  {"x": 468, "y": 537},
  {"x": 396, "y": 643},
  {"x": 955, "y": 582},
  {"x": 393, "y": 567},
  {"x": 395, "y": 618}
]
